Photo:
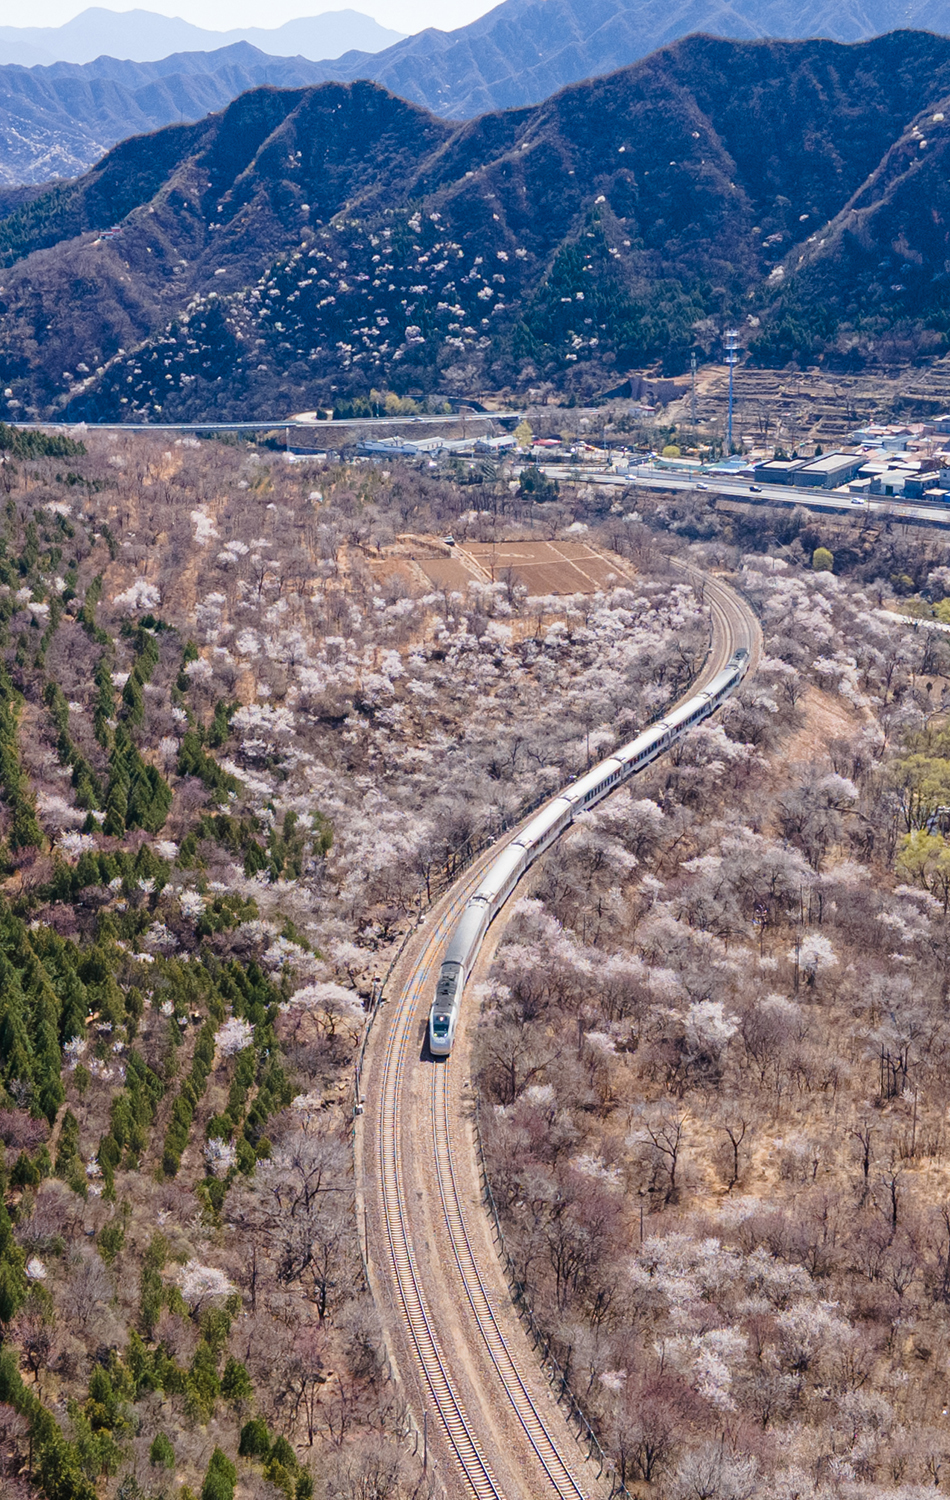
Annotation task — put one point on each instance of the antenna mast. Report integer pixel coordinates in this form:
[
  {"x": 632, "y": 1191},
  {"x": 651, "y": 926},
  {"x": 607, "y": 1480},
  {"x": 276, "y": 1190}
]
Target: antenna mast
[{"x": 732, "y": 359}]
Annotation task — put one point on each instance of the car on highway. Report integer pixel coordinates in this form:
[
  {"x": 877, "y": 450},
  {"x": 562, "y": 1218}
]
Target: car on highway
[
  {"x": 755, "y": 489},
  {"x": 702, "y": 486}
]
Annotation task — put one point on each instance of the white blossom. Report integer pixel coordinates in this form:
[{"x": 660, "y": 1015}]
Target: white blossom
[
  {"x": 203, "y": 523},
  {"x": 138, "y": 598},
  {"x": 815, "y": 954},
  {"x": 234, "y": 1036},
  {"x": 73, "y": 844},
  {"x": 192, "y": 903},
  {"x": 199, "y": 1282},
  {"x": 708, "y": 1028},
  {"x": 220, "y": 1156}
]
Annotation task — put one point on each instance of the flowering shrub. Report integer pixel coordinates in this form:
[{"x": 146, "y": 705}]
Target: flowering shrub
[{"x": 233, "y": 1037}]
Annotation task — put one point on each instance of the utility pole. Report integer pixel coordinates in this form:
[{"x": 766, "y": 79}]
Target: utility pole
[
  {"x": 732, "y": 359},
  {"x": 692, "y": 399}
]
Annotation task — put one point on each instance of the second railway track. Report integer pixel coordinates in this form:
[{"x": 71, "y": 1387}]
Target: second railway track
[{"x": 462, "y": 1354}]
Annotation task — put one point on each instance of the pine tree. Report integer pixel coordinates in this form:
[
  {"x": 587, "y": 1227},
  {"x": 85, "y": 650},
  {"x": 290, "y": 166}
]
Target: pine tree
[
  {"x": 74, "y": 1008},
  {"x": 13, "y": 1283},
  {"x": 16, "y": 1051}
]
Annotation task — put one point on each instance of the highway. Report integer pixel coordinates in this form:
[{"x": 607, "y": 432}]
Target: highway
[
  {"x": 472, "y": 1381},
  {"x": 288, "y": 424},
  {"x": 645, "y": 477}
]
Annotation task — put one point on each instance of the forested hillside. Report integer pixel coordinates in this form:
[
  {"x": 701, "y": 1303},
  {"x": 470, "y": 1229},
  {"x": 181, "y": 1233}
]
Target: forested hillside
[
  {"x": 243, "y": 738},
  {"x": 308, "y": 245}
]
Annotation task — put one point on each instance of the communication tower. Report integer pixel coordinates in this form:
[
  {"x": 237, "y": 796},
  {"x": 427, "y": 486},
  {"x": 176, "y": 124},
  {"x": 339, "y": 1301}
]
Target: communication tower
[{"x": 732, "y": 359}]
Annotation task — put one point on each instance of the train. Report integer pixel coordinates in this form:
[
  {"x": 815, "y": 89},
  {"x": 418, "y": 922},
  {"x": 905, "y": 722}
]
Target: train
[{"x": 503, "y": 873}]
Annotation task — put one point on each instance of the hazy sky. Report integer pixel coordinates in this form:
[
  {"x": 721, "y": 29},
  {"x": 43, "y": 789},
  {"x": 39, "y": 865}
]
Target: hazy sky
[{"x": 219, "y": 15}]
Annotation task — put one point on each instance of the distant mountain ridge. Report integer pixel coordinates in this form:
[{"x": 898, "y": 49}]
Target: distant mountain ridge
[
  {"x": 58, "y": 121},
  {"x": 525, "y": 50},
  {"x": 144, "y": 36},
  {"x": 310, "y": 243}
]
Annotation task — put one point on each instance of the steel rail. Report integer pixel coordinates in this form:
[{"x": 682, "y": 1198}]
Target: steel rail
[
  {"x": 479, "y": 1301},
  {"x": 429, "y": 1357}
]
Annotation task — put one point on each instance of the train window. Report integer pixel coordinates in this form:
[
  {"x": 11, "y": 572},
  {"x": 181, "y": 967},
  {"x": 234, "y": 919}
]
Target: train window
[{"x": 440, "y": 1025}]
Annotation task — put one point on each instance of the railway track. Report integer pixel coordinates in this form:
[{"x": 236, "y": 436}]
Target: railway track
[
  {"x": 461, "y": 1352},
  {"x": 505, "y": 1361},
  {"x": 430, "y": 1357}
]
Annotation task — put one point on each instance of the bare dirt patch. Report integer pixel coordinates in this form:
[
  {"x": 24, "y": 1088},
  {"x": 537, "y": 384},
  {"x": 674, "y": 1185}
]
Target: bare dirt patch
[
  {"x": 570, "y": 567},
  {"x": 389, "y": 568},
  {"x": 826, "y": 717},
  {"x": 447, "y": 573}
]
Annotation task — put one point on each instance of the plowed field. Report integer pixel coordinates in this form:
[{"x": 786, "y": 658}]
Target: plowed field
[{"x": 570, "y": 567}]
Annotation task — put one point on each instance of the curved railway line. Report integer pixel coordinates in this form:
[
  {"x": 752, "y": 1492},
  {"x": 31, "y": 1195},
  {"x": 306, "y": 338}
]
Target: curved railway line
[{"x": 463, "y": 1358}]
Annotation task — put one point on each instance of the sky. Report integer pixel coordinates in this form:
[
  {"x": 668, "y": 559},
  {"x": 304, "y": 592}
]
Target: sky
[{"x": 220, "y": 15}]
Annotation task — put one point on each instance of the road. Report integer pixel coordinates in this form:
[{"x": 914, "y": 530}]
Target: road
[
  {"x": 470, "y": 1376},
  {"x": 828, "y": 501},
  {"x": 281, "y": 424}
]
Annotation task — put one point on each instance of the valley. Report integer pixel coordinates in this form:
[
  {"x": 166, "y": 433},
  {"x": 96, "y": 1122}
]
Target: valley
[
  {"x": 475, "y": 757},
  {"x": 256, "y": 747}
]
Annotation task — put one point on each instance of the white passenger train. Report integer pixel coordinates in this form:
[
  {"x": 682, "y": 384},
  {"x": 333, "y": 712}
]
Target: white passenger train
[{"x": 503, "y": 873}]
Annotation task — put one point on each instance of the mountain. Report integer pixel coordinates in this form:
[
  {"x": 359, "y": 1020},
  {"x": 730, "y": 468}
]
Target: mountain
[
  {"x": 57, "y": 121},
  {"x": 143, "y": 36},
  {"x": 314, "y": 242},
  {"x": 876, "y": 278},
  {"x": 524, "y": 50}
]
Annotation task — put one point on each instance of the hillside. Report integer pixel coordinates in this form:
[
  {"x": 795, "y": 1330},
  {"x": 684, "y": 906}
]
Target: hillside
[
  {"x": 254, "y": 717},
  {"x": 878, "y": 273},
  {"x": 308, "y": 243},
  {"x": 218, "y": 817},
  {"x": 711, "y": 1059}
]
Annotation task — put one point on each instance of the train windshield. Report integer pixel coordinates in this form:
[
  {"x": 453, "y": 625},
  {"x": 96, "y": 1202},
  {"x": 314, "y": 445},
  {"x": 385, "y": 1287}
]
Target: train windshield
[{"x": 440, "y": 1025}]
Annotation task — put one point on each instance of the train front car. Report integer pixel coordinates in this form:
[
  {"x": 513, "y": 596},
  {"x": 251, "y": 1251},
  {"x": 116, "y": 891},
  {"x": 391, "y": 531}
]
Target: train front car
[
  {"x": 443, "y": 1017},
  {"x": 460, "y": 953}
]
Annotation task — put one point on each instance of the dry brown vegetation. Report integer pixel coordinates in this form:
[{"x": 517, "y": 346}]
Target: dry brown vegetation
[{"x": 241, "y": 740}]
